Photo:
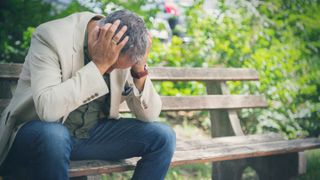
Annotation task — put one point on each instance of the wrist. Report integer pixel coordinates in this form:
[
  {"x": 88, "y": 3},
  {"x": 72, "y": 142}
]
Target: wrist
[
  {"x": 102, "y": 68},
  {"x": 138, "y": 67},
  {"x": 139, "y": 71}
]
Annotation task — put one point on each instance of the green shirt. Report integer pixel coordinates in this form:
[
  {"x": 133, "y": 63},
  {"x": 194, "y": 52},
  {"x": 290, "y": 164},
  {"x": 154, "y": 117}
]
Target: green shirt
[{"x": 86, "y": 116}]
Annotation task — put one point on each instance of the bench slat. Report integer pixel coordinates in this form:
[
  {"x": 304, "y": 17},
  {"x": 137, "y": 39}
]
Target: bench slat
[
  {"x": 189, "y": 103},
  {"x": 187, "y": 145},
  {"x": 244, "y": 151},
  {"x": 203, "y": 74},
  {"x": 172, "y": 103},
  {"x": 12, "y": 71},
  {"x": 250, "y": 147}
]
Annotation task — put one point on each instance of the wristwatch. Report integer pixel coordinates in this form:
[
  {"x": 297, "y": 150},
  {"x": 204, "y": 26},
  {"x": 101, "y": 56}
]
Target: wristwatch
[{"x": 141, "y": 74}]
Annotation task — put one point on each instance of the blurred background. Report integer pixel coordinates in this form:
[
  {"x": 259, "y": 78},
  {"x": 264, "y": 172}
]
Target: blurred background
[{"x": 278, "y": 38}]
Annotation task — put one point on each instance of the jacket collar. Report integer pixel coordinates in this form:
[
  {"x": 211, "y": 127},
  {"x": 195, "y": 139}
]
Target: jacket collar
[{"x": 80, "y": 29}]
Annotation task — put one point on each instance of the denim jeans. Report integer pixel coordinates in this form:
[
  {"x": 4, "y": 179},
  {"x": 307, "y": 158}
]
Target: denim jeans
[{"x": 46, "y": 148}]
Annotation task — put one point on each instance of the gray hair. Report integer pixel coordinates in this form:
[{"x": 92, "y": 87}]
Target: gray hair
[{"x": 137, "y": 32}]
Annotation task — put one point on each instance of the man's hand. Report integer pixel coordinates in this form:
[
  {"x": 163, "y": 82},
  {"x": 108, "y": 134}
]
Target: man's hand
[{"x": 106, "y": 46}]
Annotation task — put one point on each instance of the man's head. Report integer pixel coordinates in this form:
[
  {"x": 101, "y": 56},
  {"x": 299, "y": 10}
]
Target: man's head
[{"x": 136, "y": 47}]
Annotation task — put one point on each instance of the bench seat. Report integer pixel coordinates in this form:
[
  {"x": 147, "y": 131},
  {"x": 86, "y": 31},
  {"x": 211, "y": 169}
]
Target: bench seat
[{"x": 206, "y": 150}]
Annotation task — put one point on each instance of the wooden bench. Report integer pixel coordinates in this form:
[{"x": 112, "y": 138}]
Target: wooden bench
[{"x": 230, "y": 151}]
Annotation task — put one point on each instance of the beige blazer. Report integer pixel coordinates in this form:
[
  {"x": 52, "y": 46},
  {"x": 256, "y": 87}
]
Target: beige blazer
[{"x": 54, "y": 81}]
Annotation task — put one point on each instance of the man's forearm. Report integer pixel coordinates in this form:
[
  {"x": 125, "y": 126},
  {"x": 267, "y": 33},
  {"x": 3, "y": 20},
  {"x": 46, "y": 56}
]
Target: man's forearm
[{"x": 139, "y": 83}]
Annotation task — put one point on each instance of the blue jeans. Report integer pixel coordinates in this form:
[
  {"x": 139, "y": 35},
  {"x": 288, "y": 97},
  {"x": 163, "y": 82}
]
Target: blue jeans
[{"x": 47, "y": 148}]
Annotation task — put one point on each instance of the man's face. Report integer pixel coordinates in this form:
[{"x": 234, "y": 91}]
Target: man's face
[{"x": 123, "y": 62}]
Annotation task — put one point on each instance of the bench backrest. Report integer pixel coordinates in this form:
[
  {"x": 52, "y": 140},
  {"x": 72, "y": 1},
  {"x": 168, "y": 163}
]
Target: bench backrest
[{"x": 218, "y": 101}]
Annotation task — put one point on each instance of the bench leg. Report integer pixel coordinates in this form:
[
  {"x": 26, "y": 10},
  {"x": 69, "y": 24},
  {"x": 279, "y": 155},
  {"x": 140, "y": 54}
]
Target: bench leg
[
  {"x": 231, "y": 170},
  {"x": 277, "y": 167}
]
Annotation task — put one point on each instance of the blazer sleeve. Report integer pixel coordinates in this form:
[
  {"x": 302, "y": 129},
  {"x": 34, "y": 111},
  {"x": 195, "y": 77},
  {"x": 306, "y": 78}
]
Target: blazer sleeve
[
  {"x": 54, "y": 98},
  {"x": 145, "y": 105}
]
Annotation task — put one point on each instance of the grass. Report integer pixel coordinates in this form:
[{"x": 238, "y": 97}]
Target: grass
[
  {"x": 313, "y": 165},
  {"x": 192, "y": 171}
]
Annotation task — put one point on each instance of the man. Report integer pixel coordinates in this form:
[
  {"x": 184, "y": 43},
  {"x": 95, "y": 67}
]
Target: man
[{"x": 66, "y": 105}]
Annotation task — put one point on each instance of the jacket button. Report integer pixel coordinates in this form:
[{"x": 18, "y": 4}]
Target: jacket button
[{"x": 144, "y": 103}]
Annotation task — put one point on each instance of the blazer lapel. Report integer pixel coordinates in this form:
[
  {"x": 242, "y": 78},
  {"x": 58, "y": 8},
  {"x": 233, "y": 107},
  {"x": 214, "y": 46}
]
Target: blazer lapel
[
  {"x": 78, "y": 40},
  {"x": 115, "y": 79}
]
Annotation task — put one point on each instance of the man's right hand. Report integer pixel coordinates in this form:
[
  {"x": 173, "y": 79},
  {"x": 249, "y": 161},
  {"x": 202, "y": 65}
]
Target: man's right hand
[{"x": 106, "y": 47}]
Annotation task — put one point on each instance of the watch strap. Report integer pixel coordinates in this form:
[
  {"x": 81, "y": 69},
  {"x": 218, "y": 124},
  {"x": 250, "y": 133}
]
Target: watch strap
[{"x": 141, "y": 74}]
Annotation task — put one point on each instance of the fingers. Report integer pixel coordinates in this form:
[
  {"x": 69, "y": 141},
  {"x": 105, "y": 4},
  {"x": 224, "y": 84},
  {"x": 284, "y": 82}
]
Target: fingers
[
  {"x": 106, "y": 35},
  {"x": 103, "y": 31},
  {"x": 112, "y": 30},
  {"x": 123, "y": 43},
  {"x": 96, "y": 33},
  {"x": 119, "y": 35}
]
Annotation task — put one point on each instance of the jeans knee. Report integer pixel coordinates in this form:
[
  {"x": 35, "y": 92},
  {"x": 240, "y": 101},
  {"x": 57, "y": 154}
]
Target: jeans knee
[
  {"x": 55, "y": 137},
  {"x": 167, "y": 136}
]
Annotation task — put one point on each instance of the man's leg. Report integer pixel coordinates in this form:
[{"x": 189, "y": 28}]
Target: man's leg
[
  {"x": 44, "y": 148},
  {"x": 126, "y": 138}
]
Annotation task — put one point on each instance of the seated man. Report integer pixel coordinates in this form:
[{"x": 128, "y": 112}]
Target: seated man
[{"x": 78, "y": 70}]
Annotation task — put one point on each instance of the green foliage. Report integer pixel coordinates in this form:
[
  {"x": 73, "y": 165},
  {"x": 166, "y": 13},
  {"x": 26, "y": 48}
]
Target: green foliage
[
  {"x": 267, "y": 37},
  {"x": 280, "y": 39},
  {"x": 313, "y": 164},
  {"x": 16, "y": 16},
  {"x": 287, "y": 58}
]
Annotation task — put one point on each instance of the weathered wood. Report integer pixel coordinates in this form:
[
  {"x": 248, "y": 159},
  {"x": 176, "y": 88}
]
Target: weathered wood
[
  {"x": 302, "y": 169},
  {"x": 275, "y": 167},
  {"x": 12, "y": 71},
  {"x": 92, "y": 167},
  {"x": 6, "y": 88},
  {"x": 232, "y": 114},
  {"x": 244, "y": 151},
  {"x": 220, "y": 122},
  {"x": 187, "y": 145},
  {"x": 203, "y": 154},
  {"x": 203, "y": 74},
  {"x": 224, "y": 123},
  {"x": 172, "y": 103}
]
